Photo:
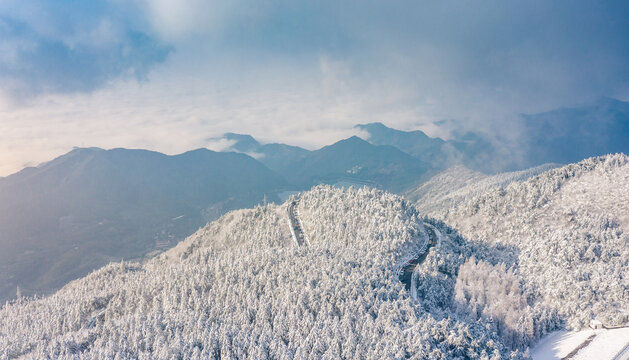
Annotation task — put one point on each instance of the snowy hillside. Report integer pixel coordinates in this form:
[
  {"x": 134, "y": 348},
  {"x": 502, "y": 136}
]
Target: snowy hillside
[
  {"x": 240, "y": 288},
  {"x": 459, "y": 184},
  {"x": 529, "y": 259},
  {"x": 565, "y": 233}
]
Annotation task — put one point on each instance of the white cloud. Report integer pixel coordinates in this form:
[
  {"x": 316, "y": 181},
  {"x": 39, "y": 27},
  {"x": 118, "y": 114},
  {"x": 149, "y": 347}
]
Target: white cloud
[
  {"x": 292, "y": 72},
  {"x": 179, "y": 20},
  {"x": 255, "y": 155},
  {"x": 173, "y": 114},
  {"x": 174, "y": 19},
  {"x": 220, "y": 144}
]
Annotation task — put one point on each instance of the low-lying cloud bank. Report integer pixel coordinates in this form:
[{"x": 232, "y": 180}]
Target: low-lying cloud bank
[{"x": 132, "y": 74}]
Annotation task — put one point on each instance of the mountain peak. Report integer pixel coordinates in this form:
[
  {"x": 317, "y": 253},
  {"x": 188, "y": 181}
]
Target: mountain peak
[
  {"x": 350, "y": 142},
  {"x": 380, "y": 131},
  {"x": 415, "y": 143},
  {"x": 243, "y": 142},
  {"x": 78, "y": 149},
  {"x": 77, "y": 152},
  {"x": 373, "y": 125},
  {"x": 353, "y": 139}
]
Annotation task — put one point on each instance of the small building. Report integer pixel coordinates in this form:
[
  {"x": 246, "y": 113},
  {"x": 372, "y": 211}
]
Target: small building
[{"x": 595, "y": 324}]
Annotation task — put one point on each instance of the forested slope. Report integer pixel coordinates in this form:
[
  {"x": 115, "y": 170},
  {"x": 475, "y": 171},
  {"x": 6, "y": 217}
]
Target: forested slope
[
  {"x": 239, "y": 288},
  {"x": 565, "y": 234},
  {"x": 460, "y": 184},
  {"x": 530, "y": 258}
]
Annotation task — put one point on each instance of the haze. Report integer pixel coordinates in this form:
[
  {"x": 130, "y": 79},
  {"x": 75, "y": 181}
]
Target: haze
[{"x": 169, "y": 75}]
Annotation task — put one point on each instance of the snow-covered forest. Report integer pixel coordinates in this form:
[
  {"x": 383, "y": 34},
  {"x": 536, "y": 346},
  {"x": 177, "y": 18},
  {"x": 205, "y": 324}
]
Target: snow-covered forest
[
  {"x": 239, "y": 288},
  {"x": 564, "y": 234},
  {"x": 459, "y": 184},
  {"x": 527, "y": 258}
]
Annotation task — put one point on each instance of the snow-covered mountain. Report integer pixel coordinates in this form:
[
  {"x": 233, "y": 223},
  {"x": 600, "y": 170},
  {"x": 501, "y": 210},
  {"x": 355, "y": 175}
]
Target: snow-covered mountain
[
  {"x": 549, "y": 248},
  {"x": 530, "y": 258},
  {"x": 565, "y": 233},
  {"x": 242, "y": 288},
  {"x": 458, "y": 184},
  {"x": 65, "y": 218}
]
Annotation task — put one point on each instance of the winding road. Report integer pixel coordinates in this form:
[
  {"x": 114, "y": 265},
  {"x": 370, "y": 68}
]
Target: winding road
[
  {"x": 408, "y": 269},
  {"x": 296, "y": 229},
  {"x": 405, "y": 272}
]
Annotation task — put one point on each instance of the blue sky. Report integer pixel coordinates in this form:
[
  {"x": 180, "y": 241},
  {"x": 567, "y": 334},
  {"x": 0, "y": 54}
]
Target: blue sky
[{"x": 168, "y": 75}]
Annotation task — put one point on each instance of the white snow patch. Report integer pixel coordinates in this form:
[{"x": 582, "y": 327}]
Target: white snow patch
[
  {"x": 558, "y": 344},
  {"x": 606, "y": 345}
]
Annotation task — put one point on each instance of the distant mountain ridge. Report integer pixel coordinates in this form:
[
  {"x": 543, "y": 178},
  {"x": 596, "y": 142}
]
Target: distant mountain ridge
[
  {"x": 434, "y": 151},
  {"x": 277, "y": 157},
  {"x": 383, "y": 165},
  {"x": 568, "y": 135},
  {"x": 469, "y": 149},
  {"x": 103, "y": 205},
  {"x": 90, "y": 206},
  {"x": 561, "y": 136}
]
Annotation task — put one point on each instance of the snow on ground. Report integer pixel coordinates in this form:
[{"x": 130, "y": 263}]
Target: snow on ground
[
  {"x": 605, "y": 345},
  {"x": 558, "y": 344},
  {"x": 609, "y": 203}
]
